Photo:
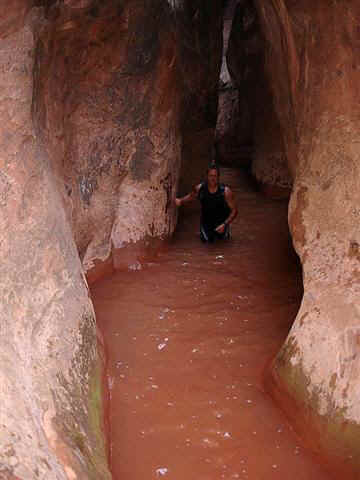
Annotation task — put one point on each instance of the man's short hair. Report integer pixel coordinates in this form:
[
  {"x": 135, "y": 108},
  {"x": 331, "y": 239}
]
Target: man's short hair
[{"x": 213, "y": 166}]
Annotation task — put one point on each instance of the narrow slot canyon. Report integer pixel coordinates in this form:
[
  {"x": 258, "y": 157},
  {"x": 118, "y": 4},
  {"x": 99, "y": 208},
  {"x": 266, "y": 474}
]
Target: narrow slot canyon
[
  {"x": 186, "y": 362},
  {"x": 129, "y": 349}
]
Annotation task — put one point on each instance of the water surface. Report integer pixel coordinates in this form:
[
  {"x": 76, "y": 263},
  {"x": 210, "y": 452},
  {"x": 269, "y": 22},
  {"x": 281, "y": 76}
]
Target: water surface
[{"x": 189, "y": 336}]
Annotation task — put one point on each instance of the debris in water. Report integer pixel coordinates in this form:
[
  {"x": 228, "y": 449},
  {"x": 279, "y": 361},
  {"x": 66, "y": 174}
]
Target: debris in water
[
  {"x": 135, "y": 266},
  {"x": 160, "y": 472}
]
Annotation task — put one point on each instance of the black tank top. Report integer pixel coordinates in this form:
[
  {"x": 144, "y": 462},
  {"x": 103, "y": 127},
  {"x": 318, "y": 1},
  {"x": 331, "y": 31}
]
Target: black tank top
[{"x": 214, "y": 208}]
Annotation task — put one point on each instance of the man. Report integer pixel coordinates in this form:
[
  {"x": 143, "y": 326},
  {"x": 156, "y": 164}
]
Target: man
[{"x": 218, "y": 207}]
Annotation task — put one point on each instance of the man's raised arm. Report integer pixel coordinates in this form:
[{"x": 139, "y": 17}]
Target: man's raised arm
[{"x": 189, "y": 197}]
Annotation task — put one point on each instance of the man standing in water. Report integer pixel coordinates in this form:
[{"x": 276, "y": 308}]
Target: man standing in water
[{"x": 218, "y": 207}]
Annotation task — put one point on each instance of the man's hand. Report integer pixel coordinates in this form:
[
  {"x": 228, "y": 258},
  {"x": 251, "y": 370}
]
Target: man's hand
[
  {"x": 178, "y": 202},
  {"x": 220, "y": 228}
]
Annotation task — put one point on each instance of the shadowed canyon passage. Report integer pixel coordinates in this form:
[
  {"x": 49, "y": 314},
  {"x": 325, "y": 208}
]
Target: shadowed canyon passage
[
  {"x": 110, "y": 109},
  {"x": 188, "y": 338}
]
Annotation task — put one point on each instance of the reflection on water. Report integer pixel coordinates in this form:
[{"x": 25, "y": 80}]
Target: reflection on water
[{"x": 188, "y": 337}]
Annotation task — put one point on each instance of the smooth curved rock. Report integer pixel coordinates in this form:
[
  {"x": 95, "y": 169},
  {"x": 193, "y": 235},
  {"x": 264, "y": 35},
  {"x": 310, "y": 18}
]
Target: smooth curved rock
[
  {"x": 50, "y": 418},
  {"x": 96, "y": 101},
  {"x": 313, "y": 66},
  {"x": 254, "y": 128},
  {"x": 107, "y": 107},
  {"x": 199, "y": 28},
  {"x": 269, "y": 165},
  {"x": 122, "y": 91}
]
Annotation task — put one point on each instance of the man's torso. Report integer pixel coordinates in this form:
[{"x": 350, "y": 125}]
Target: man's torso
[{"x": 214, "y": 208}]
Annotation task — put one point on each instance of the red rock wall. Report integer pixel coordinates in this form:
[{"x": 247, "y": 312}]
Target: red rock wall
[
  {"x": 107, "y": 107},
  {"x": 199, "y": 27},
  {"x": 312, "y": 64},
  {"x": 248, "y": 129},
  {"x": 234, "y": 128},
  {"x": 124, "y": 95},
  {"x": 269, "y": 163},
  {"x": 99, "y": 104},
  {"x": 48, "y": 358}
]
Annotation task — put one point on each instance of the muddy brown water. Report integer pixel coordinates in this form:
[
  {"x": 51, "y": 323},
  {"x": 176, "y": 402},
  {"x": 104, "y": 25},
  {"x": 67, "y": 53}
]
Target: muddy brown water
[{"x": 189, "y": 336}]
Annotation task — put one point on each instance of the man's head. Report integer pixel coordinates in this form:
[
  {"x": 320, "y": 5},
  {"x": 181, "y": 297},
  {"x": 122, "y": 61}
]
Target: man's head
[{"x": 213, "y": 174}]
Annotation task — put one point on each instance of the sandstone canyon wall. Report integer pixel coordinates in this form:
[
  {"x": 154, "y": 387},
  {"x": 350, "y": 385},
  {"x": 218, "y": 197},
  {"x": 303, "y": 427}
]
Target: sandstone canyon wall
[
  {"x": 248, "y": 130},
  {"x": 97, "y": 100},
  {"x": 106, "y": 102},
  {"x": 50, "y": 418},
  {"x": 199, "y": 24},
  {"x": 122, "y": 95},
  {"x": 313, "y": 69},
  {"x": 106, "y": 107}
]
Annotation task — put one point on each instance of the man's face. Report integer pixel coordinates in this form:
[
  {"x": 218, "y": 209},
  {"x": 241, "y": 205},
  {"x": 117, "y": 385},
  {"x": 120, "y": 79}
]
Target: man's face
[{"x": 213, "y": 178}]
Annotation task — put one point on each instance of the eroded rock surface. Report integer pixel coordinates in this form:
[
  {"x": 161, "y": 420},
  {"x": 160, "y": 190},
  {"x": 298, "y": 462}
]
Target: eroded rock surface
[
  {"x": 252, "y": 130},
  {"x": 314, "y": 72},
  {"x": 97, "y": 102},
  {"x": 104, "y": 106},
  {"x": 199, "y": 27},
  {"x": 50, "y": 420},
  {"x": 106, "y": 101},
  {"x": 122, "y": 91},
  {"x": 235, "y": 123}
]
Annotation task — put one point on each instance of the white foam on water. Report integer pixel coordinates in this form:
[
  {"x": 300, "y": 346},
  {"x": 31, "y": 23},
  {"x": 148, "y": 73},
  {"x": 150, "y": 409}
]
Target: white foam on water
[{"x": 160, "y": 472}]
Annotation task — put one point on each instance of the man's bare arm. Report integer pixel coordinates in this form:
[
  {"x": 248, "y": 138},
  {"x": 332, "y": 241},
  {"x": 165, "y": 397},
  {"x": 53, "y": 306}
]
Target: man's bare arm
[
  {"x": 230, "y": 200},
  {"x": 189, "y": 197}
]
